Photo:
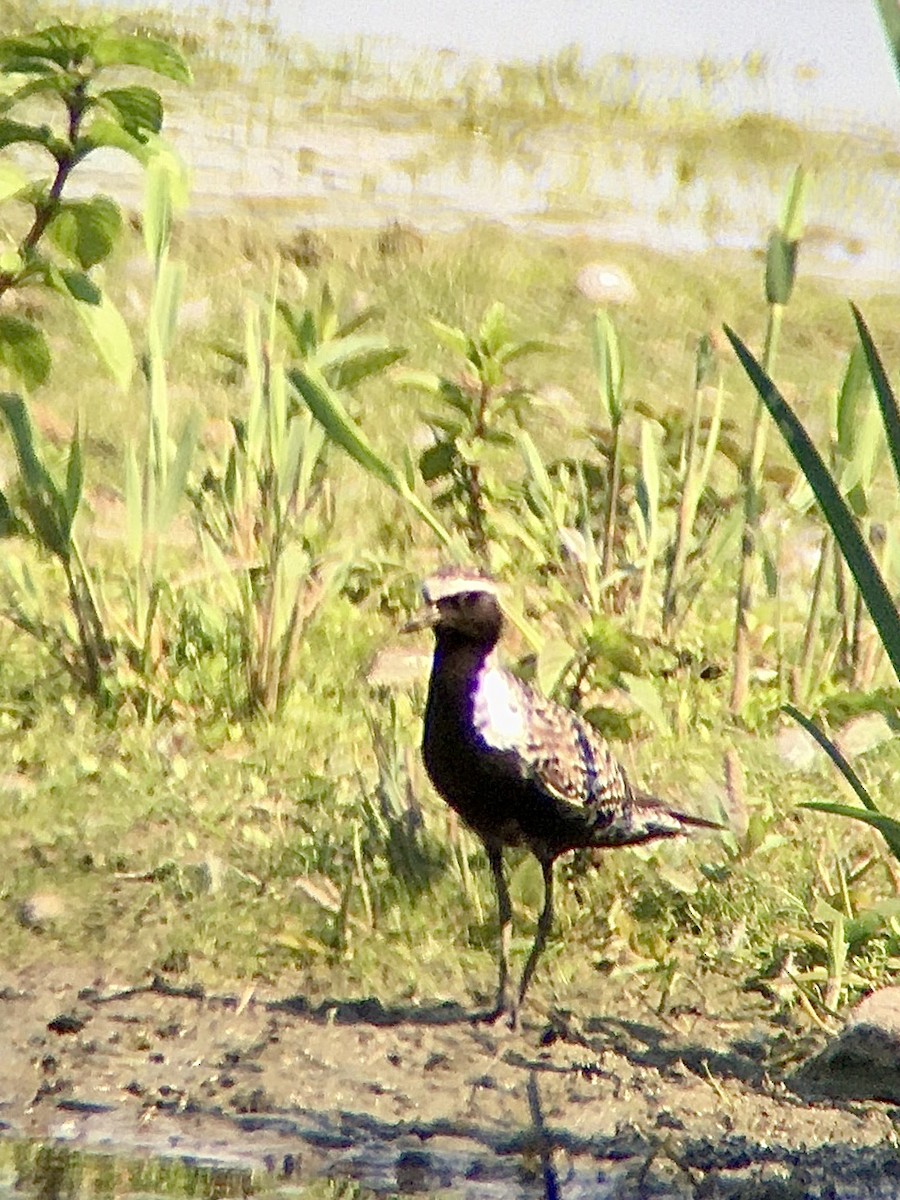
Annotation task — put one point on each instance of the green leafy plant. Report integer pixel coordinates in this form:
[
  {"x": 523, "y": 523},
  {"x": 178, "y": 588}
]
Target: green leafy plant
[
  {"x": 844, "y": 527},
  {"x": 43, "y": 511},
  {"x": 698, "y": 448},
  {"x": 781, "y": 271},
  {"x": 610, "y": 385},
  {"x": 481, "y": 409},
  {"x": 59, "y": 66},
  {"x": 61, "y": 69},
  {"x": 156, "y": 476},
  {"x": 265, "y": 517}
]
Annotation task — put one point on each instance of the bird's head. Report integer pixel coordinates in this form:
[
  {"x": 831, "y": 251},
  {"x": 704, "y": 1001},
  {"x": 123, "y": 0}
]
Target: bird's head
[{"x": 461, "y": 602}]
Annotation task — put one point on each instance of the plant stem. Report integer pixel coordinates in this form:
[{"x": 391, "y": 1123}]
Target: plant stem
[
  {"x": 612, "y": 499},
  {"x": 753, "y": 507}
]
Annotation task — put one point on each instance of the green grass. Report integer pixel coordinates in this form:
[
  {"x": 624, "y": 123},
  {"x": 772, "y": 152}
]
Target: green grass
[
  {"x": 126, "y": 824},
  {"x": 216, "y": 849}
]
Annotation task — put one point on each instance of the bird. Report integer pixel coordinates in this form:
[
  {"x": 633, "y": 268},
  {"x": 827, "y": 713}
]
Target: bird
[{"x": 519, "y": 768}]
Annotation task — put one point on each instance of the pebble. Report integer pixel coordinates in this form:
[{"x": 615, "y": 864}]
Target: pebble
[
  {"x": 604, "y": 283},
  {"x": 40, "y": 910}
]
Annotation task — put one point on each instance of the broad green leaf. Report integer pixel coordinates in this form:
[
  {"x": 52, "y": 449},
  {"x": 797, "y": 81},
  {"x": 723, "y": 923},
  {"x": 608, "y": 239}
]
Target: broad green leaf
[
  {"x": 426, "y": 381},
  {"x": 839, "y": 517},
  {"x": 24, "y": 351},
  {"x": 521, "y": 349},
  {"x": 78, "y": 286},
  {"x": 12, "y": 180},
  {"x": 344, "y": 361},
  {"x": 42, "y": 500},
  {"x": 176, "y": 478},
  {"x": 854, "y": 388},
  {"x": 139, "y": 110},
  {"x": 887, "y": 826},
  {"x": 86, "y": 230},
  {"x": 452, "y": 339},
  {"x": 74, "y": 478},
  {"x": 493, "y": 333},
  {"x": 113, "y": 49},
  {"x": 608, "y": 366},
  {"x": 15, "y": 411},
  {"x": 47, "y": 83},
  {"x": 329, "y": 411},
  {"x": 110, "y": 335},
  {"x": 11, "y": 261},
  {"x": 792, "y": 215},
  {"x": 437, "y": 461},
  {"x": 39, "y": 135},
  {"x": 354, "y": 368},
  {"x": 781, "y": 268},
  {"x": 61, "y": 43},
  {"x": 105, "y": 133}
]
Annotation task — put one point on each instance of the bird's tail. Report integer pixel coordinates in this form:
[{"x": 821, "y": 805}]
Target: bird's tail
[
  {"x": 644, "y": 818},
  {"x": 669, "y": 822}
]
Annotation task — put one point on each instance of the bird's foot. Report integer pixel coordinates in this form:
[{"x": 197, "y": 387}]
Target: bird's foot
[{"x": 504, "y": 1007}]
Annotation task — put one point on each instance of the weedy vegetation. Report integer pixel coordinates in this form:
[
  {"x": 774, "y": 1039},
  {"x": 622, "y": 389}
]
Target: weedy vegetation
[{"x": 208, "y": 727}]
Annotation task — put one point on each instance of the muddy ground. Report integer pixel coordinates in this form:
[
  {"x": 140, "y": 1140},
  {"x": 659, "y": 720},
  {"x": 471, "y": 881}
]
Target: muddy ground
[{"x": 421, "y": 1100}]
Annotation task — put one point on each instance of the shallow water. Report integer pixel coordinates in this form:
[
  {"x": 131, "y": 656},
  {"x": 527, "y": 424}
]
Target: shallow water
[
  {"x": 57, "y": 1171},
  {"x": 343, "y": 170}
]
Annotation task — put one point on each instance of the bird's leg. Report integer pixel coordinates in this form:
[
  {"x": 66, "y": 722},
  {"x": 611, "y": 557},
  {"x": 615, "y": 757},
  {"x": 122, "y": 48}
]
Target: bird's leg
[
  {"x": 544, "y": 923},
  {"x": 504, "y": 914}
]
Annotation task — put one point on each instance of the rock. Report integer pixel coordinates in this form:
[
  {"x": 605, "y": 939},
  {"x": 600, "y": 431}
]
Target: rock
[
  {"x": 603, "y": 283},
  {"x": 40, "y": 910},
  {"x": 863, "y": 1061},
  {"x": 17, "y": 783},
  {"x": 69, "y": 1022},
  {"x": 863, "y": 733},
  {"x": 795, "y": 748}
]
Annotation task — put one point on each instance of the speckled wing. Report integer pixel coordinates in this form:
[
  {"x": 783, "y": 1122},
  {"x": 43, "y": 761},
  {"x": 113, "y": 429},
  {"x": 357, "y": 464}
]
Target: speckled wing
[
  {"x": 569, "y": 759},
  {"x": 572, "y": 762}
]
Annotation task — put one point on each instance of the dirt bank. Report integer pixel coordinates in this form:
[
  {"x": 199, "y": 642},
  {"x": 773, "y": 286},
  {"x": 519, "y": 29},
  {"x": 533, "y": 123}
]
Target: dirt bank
[{"x": 420, "y": 1099}]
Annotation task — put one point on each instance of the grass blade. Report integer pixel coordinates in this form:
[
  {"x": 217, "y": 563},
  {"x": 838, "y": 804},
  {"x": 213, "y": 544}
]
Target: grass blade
[
  {"x": 889, "y": 411},
  {"x": 837, "y": 513},
  {"x": 886, "y": 826},
  {"x": 834, "y": 754}
]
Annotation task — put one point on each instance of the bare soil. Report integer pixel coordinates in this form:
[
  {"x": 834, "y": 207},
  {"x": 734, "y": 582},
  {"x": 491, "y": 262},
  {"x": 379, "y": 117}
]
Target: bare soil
[{"x": 421, "y": 1099}]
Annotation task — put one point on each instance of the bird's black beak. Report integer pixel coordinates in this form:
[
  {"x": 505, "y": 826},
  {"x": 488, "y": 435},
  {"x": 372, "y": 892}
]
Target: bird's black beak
[{"x": 425, "y": 618}]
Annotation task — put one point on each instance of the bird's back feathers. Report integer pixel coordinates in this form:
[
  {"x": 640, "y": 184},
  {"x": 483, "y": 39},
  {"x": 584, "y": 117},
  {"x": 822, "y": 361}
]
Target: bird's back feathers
[{"x": 568, "y": 761}]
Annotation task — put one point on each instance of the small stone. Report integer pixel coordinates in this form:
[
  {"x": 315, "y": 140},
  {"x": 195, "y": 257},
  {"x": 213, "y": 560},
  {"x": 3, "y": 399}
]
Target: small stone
[
  {"x": 795, "y": 748},
  {"x": 16, "y": 782},
  {"x": 603, "y": 283},
  {"x": 41, "y": 910},
  {"x": 863, "y": 733},
  {"x": 68, "y": 1022}
]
